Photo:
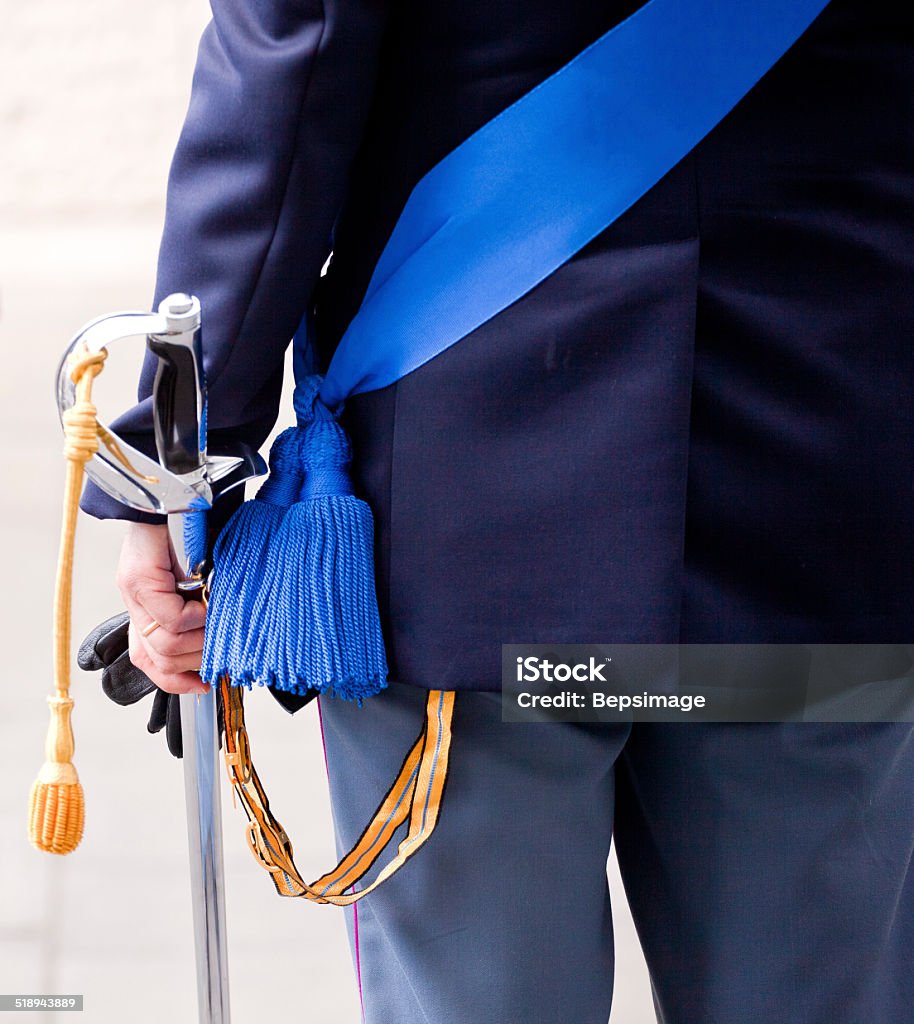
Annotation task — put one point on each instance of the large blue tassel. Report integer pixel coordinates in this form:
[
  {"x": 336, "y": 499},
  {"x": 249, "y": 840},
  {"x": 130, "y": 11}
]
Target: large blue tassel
[
  {"x": 242, "y": 592},
  {"x": 328, "y": 631},
  {"x": 293, "y": 602}
]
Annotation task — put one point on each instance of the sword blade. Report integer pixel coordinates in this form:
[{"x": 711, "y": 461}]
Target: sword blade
[
  {"x": 204, "y": 836},
  {"x": 179, "y": 414}
]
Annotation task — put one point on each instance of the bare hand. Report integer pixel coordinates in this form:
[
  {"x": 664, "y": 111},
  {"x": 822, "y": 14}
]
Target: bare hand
[{"x": 147, "y": 575}]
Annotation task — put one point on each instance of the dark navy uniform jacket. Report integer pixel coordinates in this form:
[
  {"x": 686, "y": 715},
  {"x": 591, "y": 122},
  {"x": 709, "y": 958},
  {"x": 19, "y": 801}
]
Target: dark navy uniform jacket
[{"x": 700, "y": 428}]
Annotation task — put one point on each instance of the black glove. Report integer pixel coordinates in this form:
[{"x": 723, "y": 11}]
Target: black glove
[{"x": 105, "y": 650}]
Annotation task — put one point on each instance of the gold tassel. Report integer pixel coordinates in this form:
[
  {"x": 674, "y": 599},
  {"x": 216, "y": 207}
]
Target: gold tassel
[{"x": 56, "y": 804}]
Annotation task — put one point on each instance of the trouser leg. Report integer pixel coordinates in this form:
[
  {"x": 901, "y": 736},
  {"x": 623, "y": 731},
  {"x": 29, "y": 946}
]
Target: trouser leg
[
  {"x": 768, "y": 868},
  {"x": 504, "y": 915}
]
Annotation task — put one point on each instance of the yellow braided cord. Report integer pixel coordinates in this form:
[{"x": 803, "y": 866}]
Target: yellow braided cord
[{"x": 56, "y": 803}]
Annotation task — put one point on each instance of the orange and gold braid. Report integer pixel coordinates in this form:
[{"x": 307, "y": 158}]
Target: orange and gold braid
[{"x": 415, "y": 793}]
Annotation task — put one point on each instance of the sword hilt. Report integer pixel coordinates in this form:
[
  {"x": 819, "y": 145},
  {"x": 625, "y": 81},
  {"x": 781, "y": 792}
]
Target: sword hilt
[{"x": 186, "y": 478}]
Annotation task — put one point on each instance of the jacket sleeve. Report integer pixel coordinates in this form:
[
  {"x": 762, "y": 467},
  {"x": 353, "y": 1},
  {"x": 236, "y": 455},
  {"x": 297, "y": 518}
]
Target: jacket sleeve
[{"x": 280, "y": 97}]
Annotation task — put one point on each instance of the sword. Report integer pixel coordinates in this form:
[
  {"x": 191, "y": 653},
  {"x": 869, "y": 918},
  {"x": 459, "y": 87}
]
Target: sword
[{"x": 185, "y": 480}]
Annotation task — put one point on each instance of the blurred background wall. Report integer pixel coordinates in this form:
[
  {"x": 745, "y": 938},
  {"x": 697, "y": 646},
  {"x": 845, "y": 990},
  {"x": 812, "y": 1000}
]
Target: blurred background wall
[{"x": 92, "y": 95}]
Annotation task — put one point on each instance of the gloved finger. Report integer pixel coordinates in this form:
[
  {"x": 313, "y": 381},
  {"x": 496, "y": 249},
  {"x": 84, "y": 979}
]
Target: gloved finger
[
  {"x": 159, "y": 712},
  {"x": 173, "y": 736},
  {"x": 124, "y": 683},
  {"x": 293, "y": 702},
  {"x": 104, "y": 644}
]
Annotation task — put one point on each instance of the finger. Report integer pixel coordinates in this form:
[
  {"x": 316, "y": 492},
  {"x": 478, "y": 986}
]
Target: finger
[
  {"x": 169, "y": 664},
  {"x": 148, "y": 625},
  {"x": 168, "y": 644},
  {"x": 170, "y": 653},
  {"x": 170, "y": 681},
  {"x": 185, "y": 682},
  {"x": 155, "y": 637},
  {"x": 174, "y": 664},
  {"x": 169, "y": 609}
]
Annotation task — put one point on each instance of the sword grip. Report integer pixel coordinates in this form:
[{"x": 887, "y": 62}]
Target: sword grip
[
  {"x": 177, "y": 430},
  {"x": 178, "y": 391}
]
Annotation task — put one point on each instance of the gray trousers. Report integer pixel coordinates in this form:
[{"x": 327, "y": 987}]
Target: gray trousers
[{"x": 768, "y": 868}]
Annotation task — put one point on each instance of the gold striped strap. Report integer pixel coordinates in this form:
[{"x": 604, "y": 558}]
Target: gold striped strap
[{"x": 416, "y": 794}]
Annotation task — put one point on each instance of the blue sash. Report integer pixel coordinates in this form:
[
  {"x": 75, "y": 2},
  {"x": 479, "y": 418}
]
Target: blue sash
[
  {"x": 535, "y": 184},
  {"x": 502, "y": 211}
]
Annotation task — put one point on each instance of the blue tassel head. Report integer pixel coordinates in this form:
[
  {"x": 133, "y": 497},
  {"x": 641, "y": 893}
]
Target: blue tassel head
[
  {"x": 287, "y": 470},
  {"x": 326, "y": 451}
]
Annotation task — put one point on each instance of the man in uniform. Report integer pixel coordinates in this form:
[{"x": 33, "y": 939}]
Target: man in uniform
[{"x": 698, "y": 429}]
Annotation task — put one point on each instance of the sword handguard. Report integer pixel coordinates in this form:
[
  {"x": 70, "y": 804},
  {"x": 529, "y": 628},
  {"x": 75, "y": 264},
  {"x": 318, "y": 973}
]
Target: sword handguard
[{"x": 179, "y": 412}]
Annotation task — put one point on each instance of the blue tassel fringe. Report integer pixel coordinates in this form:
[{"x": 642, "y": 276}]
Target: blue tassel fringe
[{"x": 243, "y": 583}]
